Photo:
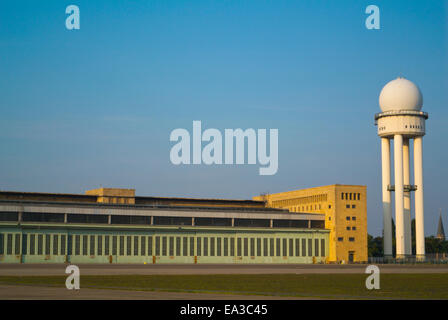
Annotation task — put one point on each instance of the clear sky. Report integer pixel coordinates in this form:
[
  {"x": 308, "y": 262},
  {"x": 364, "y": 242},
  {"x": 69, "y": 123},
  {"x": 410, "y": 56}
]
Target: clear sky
[{"x": 96, "y": 106}]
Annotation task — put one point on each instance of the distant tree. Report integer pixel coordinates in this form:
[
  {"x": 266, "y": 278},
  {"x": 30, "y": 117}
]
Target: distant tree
[
  {"x": 432, "y": 244},
  {"x": 375, "y": 246}
]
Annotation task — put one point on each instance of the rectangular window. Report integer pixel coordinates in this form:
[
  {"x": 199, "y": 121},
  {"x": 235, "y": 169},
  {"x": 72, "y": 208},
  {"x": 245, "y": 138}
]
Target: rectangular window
[
  {"x": 142, "y": 246},
  {"x": 212, "y": 247},
  {"x": 121, "y": 245},
  {"x": 164, "y": 246},
  {"x": 353, "y": 218},
  {"x": 351, "y": 239},
  {"x": 55, "y": 244},
  {"x": 310, "y": 247},
  {"x": 106, "y": 245},
  {"x": 232, "y": 247},
  {"x": 171, "y": 246},
  {"x": 353, "y": 228},
  {"x": 114, "y": 245},
  {"x": 238, "y": 249},
  {"x": 258, "y": 247},
  {"x": 157, "y": 246},
  {"x": 271, "y": 247},
  {"x": 340, "y": 239},
  {"x": 178, "y": 246},
  {"x": 92, "y": 245},
  {"x": 252, "y": 247},
  {"x": 136, "y": 245},
  {"x": 297, "y": 247},
  {"x": 185, "y": 247},
  {"x": 277, "y": 252},
  {"x": 316, "y": 247},
  {"x": 246, "y": 247},
  {"x": 226, "y": 247},
  {"x": 77, "y": 245},
  {"x": 24, "y": 244},
  {"x": 40, "y": 244},
  {"x": 291, "y": 247},
  {"x": 284, "y": 247},
  {"x": 2, "y": 245},
  {"x": 32, "y": 244},
  {"x": 150, "y": 246},
  {"x": 347, "y": 206},
  {"x": 353, "y": 206},
  {"x": 265, "y": 247},
  {"x": 100, "y": 246},
  {"x": 359, "y": 196},
  {"x": 205, "y": 246},
  {"x": 191, "y": 246},
  {"x": 63, "y": 244},
  {"x": 322, "y": 247},
  {"x": 347, "y": 218},
  {"x": 69, "y": 244},
  {"x": 350, "y": 196},
  {"x": 17, "y": 244},
  {"x": 198, "y": 246},
  {"x": 342, "y": 196},
  {"x": 85, "y": 244},
  {"x": 128, "y": 245},
  {"x": 218, "y": 247},
  {"x": 348, "y": 228},
  {"x": 47, "y": 244}
]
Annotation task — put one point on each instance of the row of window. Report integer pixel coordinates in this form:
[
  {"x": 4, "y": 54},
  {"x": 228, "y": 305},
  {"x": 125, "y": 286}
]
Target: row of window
[
  {"x": 351, "y": 228},
  {"x": 92, "y": 245},
  {"x": 353, "y": 206},
  {"x": 306, "y": 208},
  {"x": 158, "y": 220},
  {"x": 350, "y": 196},
  {"x": 300, "y": 200},
  {"x": 351, "y": 239},
  {"x": 348, "y": 218},
  {"x": 411, "y": 126}
]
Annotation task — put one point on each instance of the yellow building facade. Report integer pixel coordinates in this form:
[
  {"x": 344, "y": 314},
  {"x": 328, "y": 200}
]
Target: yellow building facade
[{"x": 345, "y": 210}]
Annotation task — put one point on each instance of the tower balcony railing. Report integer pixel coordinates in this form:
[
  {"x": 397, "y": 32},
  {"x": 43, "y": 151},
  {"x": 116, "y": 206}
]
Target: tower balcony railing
[{"x": 401, "y": 113}]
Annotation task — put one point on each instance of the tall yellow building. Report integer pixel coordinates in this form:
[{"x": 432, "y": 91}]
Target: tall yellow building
[{"x": 345, "y": 210}]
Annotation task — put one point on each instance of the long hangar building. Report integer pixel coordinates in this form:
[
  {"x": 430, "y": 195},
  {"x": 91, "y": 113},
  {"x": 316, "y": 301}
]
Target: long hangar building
[{"x": 317, "y": 225}]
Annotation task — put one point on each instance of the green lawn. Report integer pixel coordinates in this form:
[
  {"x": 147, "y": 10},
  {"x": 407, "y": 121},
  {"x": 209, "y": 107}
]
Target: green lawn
[{"x": 339, "y": 286}]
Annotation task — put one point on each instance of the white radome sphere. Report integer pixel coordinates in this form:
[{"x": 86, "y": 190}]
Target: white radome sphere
[{"x": 401, "y": 94}]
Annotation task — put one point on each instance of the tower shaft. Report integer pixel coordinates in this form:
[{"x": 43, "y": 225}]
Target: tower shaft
[
  {"x": 407, "y": 200},
  {"x": 387, "y": 208},
  {"x": 419, "y": 209},
  {"x": 399, "y": 195}
]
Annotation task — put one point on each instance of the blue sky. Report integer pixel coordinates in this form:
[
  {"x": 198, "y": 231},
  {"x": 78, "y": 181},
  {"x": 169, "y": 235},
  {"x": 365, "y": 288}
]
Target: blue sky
[{"x": 96, "y": 106}]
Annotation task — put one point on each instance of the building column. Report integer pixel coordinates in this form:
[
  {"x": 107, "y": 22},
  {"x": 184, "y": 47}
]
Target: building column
[
  {"x": 399, "y": 194},
  {"x": 419, "y": 209},
  {"x": 387, "y": 209},
  {"x": 407, "y": 201}
]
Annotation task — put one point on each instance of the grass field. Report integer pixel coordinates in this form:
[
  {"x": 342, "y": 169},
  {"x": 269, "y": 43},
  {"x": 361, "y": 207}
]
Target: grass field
[{"x": 332, "y": 286}]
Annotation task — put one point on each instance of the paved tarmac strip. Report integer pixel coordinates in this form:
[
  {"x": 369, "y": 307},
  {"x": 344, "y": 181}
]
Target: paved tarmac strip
[
  {"x": 8, "y": 292},
  {"x": 167, "y": 269}
]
